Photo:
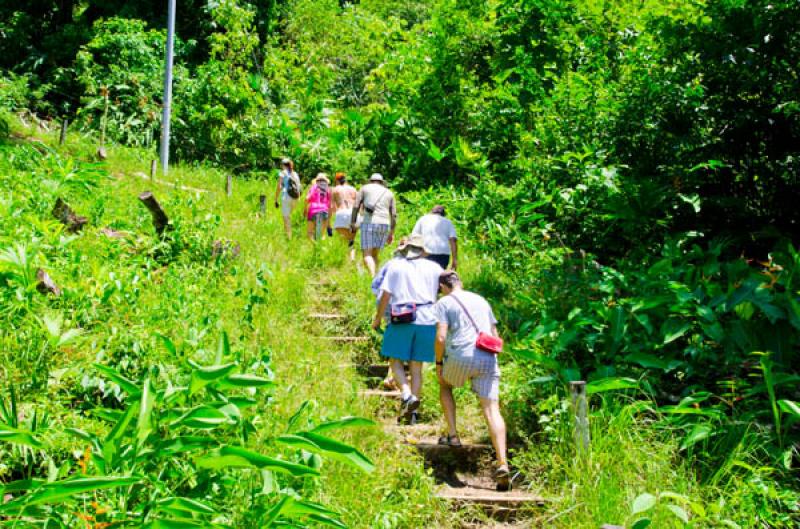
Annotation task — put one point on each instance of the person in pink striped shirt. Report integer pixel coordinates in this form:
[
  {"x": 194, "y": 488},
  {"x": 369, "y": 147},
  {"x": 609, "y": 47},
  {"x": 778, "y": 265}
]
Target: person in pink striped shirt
[{"x": 318, "y": 204}]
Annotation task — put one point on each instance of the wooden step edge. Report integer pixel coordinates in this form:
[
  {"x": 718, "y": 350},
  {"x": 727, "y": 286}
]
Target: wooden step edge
[
  {"x": 325, "y": 316},
  {"x": 380, "y": 393},
  {"x": 512, "y": 499}
]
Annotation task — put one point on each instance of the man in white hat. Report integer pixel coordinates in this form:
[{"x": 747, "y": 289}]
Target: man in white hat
[
  {"x": 380, "y": 218},
  {"x": 409, "y": 291}
]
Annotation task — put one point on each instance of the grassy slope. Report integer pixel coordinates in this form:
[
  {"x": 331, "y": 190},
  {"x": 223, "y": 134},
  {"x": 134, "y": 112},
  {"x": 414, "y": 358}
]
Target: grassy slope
[{"x": 190, "y": 301}]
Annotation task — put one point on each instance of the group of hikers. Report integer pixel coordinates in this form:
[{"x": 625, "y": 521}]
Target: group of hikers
[{"x": 429, "y": 315}]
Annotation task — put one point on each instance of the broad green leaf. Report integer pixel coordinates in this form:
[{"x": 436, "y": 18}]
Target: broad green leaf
[
  {"x": 236, "y": 457},
  {"x": 13, "y": 435},
  {"x": 338, "y": 451},
  {"x": 202, "y": 417},
  {"x": 697, "y": 434},
  {"x": 680, "y": 512},
  {"x": 166, "y": 523},
  {"x": 790, "y": 407},
  {"x": 58, "y": 491},
  {"x": 21, "y": 486},
  {"x": 203, "y": 376},
  {"x": 127, "y": 385},
  {"x": 651, "y": 361},
  {"x": 674, "y": 329},
  {"x": 144, "y": 423},
  {"x": 245, "y": 381},
  {"x": 345, "y": 422},
  {"x": 610, "y": 384},
  {"x": 186, "y": 504},
  {"x": 641, "y": 523},
  {"x": 168, "y": 345},
  {"x": 644, "y": 502}
]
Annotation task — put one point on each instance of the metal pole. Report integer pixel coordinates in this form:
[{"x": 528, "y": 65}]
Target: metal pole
[{"x": 168, "y": 87}]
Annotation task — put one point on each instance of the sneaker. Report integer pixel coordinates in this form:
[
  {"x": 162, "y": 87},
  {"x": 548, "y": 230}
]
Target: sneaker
[
  {"x": 408, "y": 405},
  {"x": 502, "y": 477}
]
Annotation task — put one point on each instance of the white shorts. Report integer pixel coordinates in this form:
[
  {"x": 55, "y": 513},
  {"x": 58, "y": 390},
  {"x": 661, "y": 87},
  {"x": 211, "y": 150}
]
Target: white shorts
[
  {"x": 287, "y": 204},
  {"x": 342, "y": 219}
]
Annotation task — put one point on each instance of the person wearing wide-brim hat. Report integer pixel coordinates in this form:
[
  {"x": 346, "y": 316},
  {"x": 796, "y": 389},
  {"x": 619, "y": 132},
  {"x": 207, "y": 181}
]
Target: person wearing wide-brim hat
[
  {"x": 380, "y": 218},
  {"x": 318, "y": 205},
  {"x": 409, "y": 290}
]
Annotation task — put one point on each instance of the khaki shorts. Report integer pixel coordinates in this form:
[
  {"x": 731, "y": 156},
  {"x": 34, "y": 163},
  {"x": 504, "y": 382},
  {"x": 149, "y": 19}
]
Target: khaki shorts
[{"x": 481, "y": 370}]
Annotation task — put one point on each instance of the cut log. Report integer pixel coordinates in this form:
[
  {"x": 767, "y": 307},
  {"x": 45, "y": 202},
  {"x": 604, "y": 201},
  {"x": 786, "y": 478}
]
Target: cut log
[
  {"x": 160, "y": 219},
  {"x": 67, "y": 216},
  {"x": 225, "y": 249},
  {"x": 45, "y": 284}
]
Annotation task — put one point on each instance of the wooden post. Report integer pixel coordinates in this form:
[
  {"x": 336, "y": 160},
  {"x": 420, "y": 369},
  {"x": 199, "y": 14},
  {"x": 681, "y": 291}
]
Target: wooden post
[
  {"x": 63, "y": 137},
  {"x": 153, "y": 169},
  {"x": 160, "y": 219},
  {"x": 262, "y": 203},
  {"x": 229, "y": 185},
  {"x": 45, "y": 284},
  {"x": 580, "y": 408},
  {"x": 67, "y": 216},
  {"x": 102, "y": 154}
]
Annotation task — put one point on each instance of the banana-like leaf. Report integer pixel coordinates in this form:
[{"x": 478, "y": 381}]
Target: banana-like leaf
[
  {"x": 20, "y": 437},
  {"x": 245, "y": 381},
  {"x": 336, "y": 450},
  {"x": 127, "y": 385},
  {"x": 610, "y": 384},
  {"x": 177, "y": 523},
  {"x": 203, "y": 417},
  {"x": 183, "y": 444},
  {"x": 203, "y": 376},
  {"x": 58, "y": 491},
  {"x": 345, "y": 422},
  {"x": 237, "y": 457},
  {"x": 186, "y": 505}
]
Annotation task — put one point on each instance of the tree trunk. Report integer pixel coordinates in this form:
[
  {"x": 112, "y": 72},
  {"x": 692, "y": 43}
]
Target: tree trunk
[
  {"x": 160, "y": 219},
  {"x": 67, "y": 216}
]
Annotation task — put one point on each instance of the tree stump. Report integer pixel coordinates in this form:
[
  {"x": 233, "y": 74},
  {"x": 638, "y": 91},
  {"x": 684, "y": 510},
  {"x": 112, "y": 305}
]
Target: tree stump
[
  {"x": 67, "y": 216},
  {"x": 160, "y": 219},
  {"x": 45, "y": 283}
]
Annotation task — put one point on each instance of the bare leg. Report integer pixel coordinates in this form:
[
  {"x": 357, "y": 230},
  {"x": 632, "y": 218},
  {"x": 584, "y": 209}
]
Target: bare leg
[
  {"x": 416, "y": 377},
  {"x": 287, "y": 226},
  {"x": 497, "y": 428},
  {"x": 400, "y": 375},
  {"x": 371, "y": 260},
  {"x": 449, "y": 407},
  {"x": 310, "y": 226}
]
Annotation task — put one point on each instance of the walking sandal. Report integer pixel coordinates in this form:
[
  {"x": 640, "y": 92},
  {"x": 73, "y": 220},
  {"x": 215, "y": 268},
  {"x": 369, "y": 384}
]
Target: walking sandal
[{"x": 450, "y": 440}]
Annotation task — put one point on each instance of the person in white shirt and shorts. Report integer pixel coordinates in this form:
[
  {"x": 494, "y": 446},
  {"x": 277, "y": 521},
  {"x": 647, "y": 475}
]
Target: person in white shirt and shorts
[{"x": 440, "y": 237}]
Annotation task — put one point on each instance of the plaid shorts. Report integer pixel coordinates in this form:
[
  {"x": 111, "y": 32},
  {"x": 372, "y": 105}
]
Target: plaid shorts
[
  {"x": 481, "y": 370},
  {"x": 374, "y": 236}
]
